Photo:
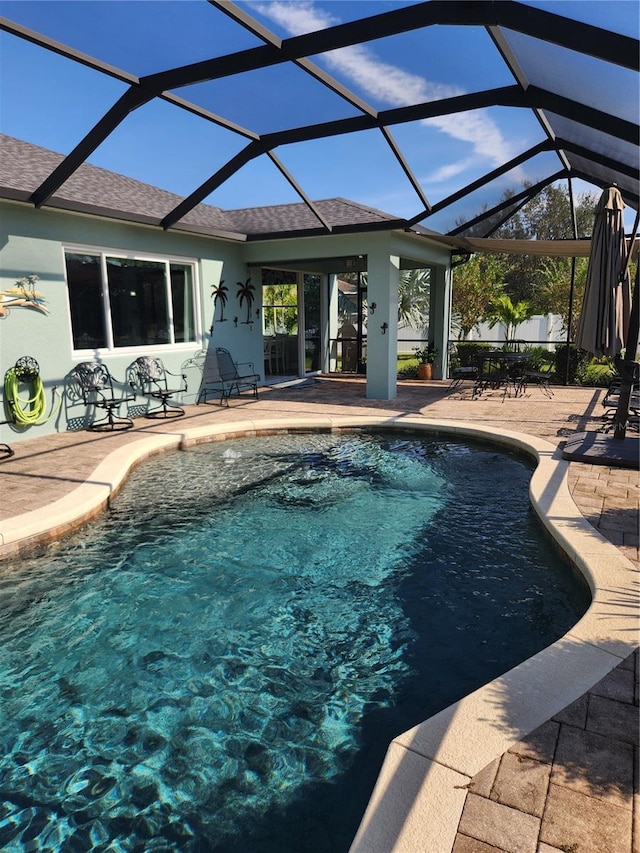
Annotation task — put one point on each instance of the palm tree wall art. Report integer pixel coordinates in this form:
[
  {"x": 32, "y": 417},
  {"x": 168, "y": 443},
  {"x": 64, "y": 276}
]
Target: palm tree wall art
[
  {"x": 219, "y": 294},
  {"x": 246, "y": 293}
]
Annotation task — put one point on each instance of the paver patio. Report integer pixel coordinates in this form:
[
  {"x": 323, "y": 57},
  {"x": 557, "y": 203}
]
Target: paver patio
[{"x": 571, "y": 785}]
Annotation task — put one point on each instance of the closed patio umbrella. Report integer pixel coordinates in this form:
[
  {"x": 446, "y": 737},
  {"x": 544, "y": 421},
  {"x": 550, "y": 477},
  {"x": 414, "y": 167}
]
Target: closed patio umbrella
[
  {"x": 608, "y": 325},
  {"x": 604, "y": 319}
]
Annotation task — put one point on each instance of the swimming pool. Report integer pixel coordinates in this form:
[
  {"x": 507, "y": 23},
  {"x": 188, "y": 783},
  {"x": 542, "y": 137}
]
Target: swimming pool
[{"x": 220, "y": 662}]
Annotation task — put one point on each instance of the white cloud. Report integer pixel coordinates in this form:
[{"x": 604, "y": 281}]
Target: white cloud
[
  {"x": 445, "y": 173},
  {"x": 390, "y": 84},
  {"x": 297, "y": 18}
]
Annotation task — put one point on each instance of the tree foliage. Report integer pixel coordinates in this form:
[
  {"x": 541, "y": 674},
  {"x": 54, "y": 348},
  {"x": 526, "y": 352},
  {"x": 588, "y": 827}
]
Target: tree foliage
[
  {"x": 414, "y": 292},
  {"x": 544, "y": 283},
  {"x": 555, "y": 287},
  {"x": 546, "y": 217},
  {"x": 476, "y": 284},
  {"x": 510, "y": 314}
]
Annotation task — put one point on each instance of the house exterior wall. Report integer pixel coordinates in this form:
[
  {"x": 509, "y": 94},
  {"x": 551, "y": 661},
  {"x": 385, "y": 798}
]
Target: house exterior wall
[
  {"x": 32, "y": 242},
  {"x": 419, "y": 249}
]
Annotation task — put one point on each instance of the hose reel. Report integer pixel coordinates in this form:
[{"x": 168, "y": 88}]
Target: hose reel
[{"x": 29, "y": 411}]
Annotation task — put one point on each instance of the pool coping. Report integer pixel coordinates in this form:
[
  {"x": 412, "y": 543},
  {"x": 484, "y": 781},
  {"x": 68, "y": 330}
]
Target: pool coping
[{"x": 421, "y": 789}]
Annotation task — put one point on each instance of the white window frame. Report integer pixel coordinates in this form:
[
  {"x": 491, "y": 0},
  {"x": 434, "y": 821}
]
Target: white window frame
[{"x": 128, "y": 254}]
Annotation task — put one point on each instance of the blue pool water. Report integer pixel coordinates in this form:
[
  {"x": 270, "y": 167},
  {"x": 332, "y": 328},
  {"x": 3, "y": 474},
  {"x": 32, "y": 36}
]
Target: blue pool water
[{"x": 219, "y": 663}]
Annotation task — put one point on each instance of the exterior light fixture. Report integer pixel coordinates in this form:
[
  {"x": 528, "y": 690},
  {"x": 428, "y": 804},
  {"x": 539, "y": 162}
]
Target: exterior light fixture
[
  {"x": 372, "y": 308},
  {"x": 384, "y": 328}
]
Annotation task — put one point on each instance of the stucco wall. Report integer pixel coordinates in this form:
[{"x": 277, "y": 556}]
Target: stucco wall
[{"x": 32, "y": 242}]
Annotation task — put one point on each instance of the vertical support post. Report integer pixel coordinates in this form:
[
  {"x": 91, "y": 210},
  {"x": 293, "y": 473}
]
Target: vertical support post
[
  {"x": 382, "y": 344},
  {"x": 439, "y": 318},
  {"x": 574, "y": 223},
  {"x": 302, "y": 325},
  {"x": 328, "y": 320}
]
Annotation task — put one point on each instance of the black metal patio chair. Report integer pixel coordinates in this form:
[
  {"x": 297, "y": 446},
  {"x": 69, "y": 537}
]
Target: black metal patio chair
[
  {"x": 612, "y": 398},
  {"x": 221, "y": 375},
  {"x": 149, "y": 377},
  {"x": 460, "y": 374},
  {"x": 534, "y": 377},
  {"x": 95, "y": 386}
]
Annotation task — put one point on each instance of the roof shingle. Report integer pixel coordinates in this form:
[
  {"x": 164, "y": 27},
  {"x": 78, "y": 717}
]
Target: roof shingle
[{"x": 91, "y": 189}]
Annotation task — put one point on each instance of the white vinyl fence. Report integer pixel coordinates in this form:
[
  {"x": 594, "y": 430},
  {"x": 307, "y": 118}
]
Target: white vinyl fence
[{"x": 541, "y": 330}]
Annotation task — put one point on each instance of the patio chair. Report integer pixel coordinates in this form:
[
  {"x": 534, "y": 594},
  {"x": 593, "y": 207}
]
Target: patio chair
[
  {"x": 535, "y": 377},
  {"x": 96, "y": 388},
  {"x": 149, "y": 377},
  {"x": 459, "y": 374},
  {"x": 464, "y": 370},
  {"x": 222, "y": 375},
  {"x": 610, "y": 402},
  {"x": 492, "y": 373}
]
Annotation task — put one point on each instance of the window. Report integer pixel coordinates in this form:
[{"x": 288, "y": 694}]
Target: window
[
  {"x": 120, "y": 301},
  {"x": 279, "y": 302}
]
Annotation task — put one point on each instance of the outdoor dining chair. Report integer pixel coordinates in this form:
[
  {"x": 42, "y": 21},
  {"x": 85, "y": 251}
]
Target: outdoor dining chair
[
  {"x": 149, "y": 377},
  {"x": 95, "y": 386},
  {"x": 534, "y": 377}
]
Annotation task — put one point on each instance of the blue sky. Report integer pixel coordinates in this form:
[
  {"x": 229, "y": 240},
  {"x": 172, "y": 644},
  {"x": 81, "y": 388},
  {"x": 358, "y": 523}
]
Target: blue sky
[{"x": 53, "y": 102}]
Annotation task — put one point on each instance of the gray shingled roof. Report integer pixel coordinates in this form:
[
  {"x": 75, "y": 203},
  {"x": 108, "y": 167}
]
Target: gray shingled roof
[{"x": 23, "y": 167}]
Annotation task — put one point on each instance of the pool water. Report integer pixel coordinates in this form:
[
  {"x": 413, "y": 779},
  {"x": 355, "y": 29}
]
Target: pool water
[{"x": 219, "y": 663}]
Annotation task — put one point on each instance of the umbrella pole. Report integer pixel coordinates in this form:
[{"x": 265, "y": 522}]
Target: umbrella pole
[{"x": 628, "y": 367}]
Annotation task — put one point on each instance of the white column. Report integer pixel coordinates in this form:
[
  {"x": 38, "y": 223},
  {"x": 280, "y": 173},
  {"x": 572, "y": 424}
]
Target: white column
[
  {"x": 439, "y": 318},
  {"x": 382, "y": 345}
]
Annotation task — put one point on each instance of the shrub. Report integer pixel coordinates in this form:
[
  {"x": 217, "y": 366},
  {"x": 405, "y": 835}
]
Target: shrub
[
  {"x": 597, "y": 371},
  {"x": 573, "y": 358},
  {"x": 467, "y": 351},
  {"x": 408, "y": 371},
  {"x": 541, "y": 358}
]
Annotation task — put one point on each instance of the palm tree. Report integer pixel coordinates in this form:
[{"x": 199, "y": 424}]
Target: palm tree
[
  {"x": 219, "y": 294},
  {"x": 414, "y": 289},
  {"x": 246, "y": 293},
  {"x": 502, "y": 310}
]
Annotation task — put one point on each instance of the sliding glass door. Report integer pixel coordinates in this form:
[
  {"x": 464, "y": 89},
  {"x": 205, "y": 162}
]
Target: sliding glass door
[{"x": 291, "y": 322}]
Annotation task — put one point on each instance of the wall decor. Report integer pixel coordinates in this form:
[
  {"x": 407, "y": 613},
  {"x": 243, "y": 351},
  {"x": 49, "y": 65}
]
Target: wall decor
[{"x": 23, "y": 295}]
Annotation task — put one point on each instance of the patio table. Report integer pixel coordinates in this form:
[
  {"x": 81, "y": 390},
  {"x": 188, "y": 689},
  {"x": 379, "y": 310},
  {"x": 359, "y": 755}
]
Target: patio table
[{"x": 497, "y": 370}]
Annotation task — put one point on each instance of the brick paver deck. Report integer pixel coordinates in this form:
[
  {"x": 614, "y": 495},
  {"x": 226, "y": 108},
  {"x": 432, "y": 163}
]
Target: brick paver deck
[
  {"x": 569, "y": 786},
  {"x": 572, "y": 785}
]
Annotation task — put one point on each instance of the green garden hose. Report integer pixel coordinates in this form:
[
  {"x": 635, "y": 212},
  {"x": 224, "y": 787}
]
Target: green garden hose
[{"x": 30, "y": 411}]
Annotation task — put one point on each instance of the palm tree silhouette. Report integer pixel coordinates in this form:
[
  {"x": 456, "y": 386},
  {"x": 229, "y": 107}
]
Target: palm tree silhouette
[
  {"x": 246, "y": 293},
  {"x": 219, "y": 294}
]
